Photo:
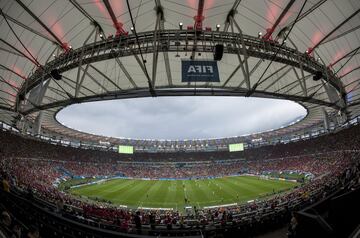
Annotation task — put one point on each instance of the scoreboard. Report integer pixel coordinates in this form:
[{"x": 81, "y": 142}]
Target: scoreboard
[
  {"x": 125, "y": 149},
  {"x": 236, "y": 147}
]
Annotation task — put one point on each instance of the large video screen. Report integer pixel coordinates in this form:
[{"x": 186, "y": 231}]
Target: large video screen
[
  {"x": 236, "y": 147},
  {"x": 125, "y": 149}
]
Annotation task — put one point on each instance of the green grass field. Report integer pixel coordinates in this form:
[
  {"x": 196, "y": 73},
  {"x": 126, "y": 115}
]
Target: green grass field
[{"x": 171, "y": 194}]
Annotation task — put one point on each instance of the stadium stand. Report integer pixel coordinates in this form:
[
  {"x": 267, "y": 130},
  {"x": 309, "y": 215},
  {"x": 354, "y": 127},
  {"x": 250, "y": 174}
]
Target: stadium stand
[{"x": 29, "y": 170}]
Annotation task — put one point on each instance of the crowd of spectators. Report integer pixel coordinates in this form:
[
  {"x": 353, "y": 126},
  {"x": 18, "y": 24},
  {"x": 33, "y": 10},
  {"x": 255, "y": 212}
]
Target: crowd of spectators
[
  {"x": 341, "y": 169},
  {"x": 44, "y": 172},
  {"x": 33, "y": 167},
  {"x": 25, "y": 147}
]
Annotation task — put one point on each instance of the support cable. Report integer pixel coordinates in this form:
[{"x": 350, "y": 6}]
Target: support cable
[
  {"x": 16, "y": 36},
  {"x": 151, "y": 88},
  {"x": 250, "y": 92}
]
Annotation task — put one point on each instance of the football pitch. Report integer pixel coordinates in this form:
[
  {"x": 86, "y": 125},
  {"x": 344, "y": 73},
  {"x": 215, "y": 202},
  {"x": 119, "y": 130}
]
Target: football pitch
[{"x": 171, "y": 194}]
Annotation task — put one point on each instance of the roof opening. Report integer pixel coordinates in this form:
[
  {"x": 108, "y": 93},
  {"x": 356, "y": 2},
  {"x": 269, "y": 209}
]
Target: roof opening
[{"x": 177, "y": 118}]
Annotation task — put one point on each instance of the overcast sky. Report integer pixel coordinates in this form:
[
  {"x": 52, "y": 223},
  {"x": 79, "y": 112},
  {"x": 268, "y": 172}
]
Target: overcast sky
[{"x": 180, "y": 117}]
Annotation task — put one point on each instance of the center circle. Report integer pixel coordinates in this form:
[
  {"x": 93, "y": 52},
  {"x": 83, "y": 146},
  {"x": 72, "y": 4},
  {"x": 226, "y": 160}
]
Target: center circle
[{"x": 180, "y": 118}]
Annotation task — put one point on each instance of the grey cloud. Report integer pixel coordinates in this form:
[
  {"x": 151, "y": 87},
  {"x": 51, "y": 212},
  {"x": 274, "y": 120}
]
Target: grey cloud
[{"x": 180, "y": 117}]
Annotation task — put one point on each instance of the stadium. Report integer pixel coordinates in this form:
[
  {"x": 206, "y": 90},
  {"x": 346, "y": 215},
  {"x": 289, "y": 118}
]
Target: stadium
[{"x": 180, "y": 118}]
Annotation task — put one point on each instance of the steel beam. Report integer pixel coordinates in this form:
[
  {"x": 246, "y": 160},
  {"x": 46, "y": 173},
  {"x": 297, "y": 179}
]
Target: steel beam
[
  {"x": 11, "y": 52},
  {"x": 8, "y": 93},
  {"x": 26, "y": 27},
  {"x": 349, "y": 54},
  {"x": 331, "y": 32},
  {"x": 74, "y": 55},
  {"x": 118, "y": 25},
  {"x": 123, "y": 69},
  {"x": 273, "y": 74},
  {"x": 49, "y": 99},
  {"x": 78, "y": 80},
  {"x": 19, "y": 52},
  {"x": 159, "y": 16},
  {"x": 179, "y": 92},
  {"x": 354, "y": 88},
  {"x": 12, "y": 71},
  {"x": 87, "y": 15},
  {"x": 62, "y": 88},
  {"x": 58, "y": 92},
  {"x": 105, "y": 76},
  {"x": 199, "y": 18},
  {"x": 342, "y": 76},
  {"x": 37, "y": 124},
  {"x": 352, "y": 82},
  {"x": 82, "y": 86},
  {"x": 165, "y": 53},
  {"x": 244, "y": 64},
  {"x": 37, "y": 19},
  {"x": 302, "y": 81},
  {"x": 231, "y": 14},
  {"x": 6, "y": 103},
  {"x": 140, "y": 51},
  {"x": 94, "y": 80},
  {"x": 268, "y": 35},
  {"x": 303, "y": 15},
  {"x": 167, "y": 61},
  {"x": 347, "y": 61},
  {"x": 342, "y": 34},
  {"x": 276, "y": 80},
  {"x": 127, "y": 45},
  {"x": 142, "y": 66},
  {"x": 71, "y": 86},
  {"x": 240, "y": 65},
  {"x": 293, "y": 84},
  {"x": 16, "y": 89},
  {"x": 256, "y": 66}
]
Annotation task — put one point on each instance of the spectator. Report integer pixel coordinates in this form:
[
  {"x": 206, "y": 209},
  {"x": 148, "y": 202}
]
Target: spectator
[
  {"x": 6, "y": 185},
  {"x": 292, "y": 226},
  {"x": 5, "y": 224},
  {"x": 33, "y": 232},
  {"x": 137, "y": 221}
]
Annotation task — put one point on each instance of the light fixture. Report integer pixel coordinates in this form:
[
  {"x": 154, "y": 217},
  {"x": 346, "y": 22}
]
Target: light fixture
[
  {"x": 180, "y": 25},
  {"x": 217, "y": 27},
  {"x": 132, "y": 28},
  {"x": 101, "y": 36},
  {"x": 259, "y": 34}
]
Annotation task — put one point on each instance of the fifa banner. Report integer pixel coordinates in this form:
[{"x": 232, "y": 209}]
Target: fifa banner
[{"x": 199, "y": 71}]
